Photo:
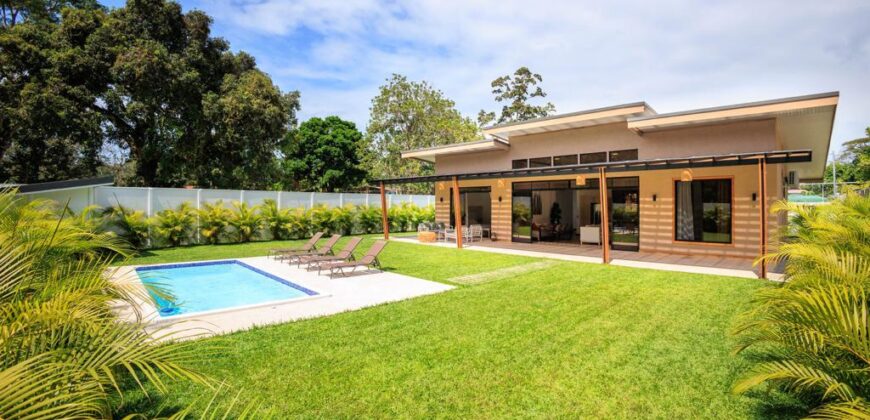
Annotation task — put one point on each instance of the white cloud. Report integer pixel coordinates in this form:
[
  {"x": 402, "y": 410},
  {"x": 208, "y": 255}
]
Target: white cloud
[{"x": 674, "y": 54}]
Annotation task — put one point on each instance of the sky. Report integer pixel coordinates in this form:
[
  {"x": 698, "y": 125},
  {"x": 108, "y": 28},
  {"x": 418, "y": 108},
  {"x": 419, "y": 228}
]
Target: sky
[{"x": 675, "y": 55}]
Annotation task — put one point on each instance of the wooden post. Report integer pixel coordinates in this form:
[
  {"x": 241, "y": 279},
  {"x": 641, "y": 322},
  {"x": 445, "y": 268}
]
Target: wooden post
[
  {"x": 384, "y": 218},
  {"x": 605, "y": 216},
  {"x": 457, "y": 211},
  {"x": 762, "y": 215}
]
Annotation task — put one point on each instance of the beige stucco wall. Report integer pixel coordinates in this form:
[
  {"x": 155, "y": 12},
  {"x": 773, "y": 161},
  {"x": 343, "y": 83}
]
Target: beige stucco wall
[
  {"x": 737, "y": 137},
  {"x": 656, "y": 218}
]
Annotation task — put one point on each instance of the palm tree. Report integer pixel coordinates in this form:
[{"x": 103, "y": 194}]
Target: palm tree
[
  {"x": 63, "y": 350},
  {"x": 247, "y": 220},
  {"x": 815, "y": 328}
]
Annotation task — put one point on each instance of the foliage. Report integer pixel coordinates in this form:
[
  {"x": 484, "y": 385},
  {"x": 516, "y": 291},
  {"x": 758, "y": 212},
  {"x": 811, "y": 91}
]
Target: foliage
[
  {"x": 246, "y": 220},
  {"x": 324, "y": 155},
  {"x": 176, "y": 225},
  {"x": 275, "y": 219},
  {"x": 342, "y": 220},
  {"x": 63, "y": 351},
  {"x": 132, "y": 225},
  {"x": 516, "y": 91},
  {"x": 145, "y": 79},
  {"x": 320, "y": 218},
  {"x": 853, "y": 164},
  {"x": 298, "y": 224},
  {"x": 813, "y": 329},
  {"x": 368, "y": 219},
  {"x": 410, "y": 115},
  {"x": 214, "y": 220}
]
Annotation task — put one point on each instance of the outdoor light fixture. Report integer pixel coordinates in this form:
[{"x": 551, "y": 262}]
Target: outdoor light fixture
[
  {"x": 499, "y": 199},
  {"x": 754, "y": 197},
  {"x": 581, "y": 180},
  {"x": 654, "y": 198},
  {"x": 442, "y": 199}
]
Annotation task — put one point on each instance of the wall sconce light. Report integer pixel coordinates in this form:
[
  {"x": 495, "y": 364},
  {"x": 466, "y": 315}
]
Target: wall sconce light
[
  {"x": 442, "y": 199},
  {"x": 654, "y": 198},
  {"x": 499, "y": 199},
  {"x": 581, "y": 180},
  {"x": 441, "y": 186},
  {"x": 754, "y": 197},
  {"x": 500, "y": 184},
  {"x": 687, "y": 175}
]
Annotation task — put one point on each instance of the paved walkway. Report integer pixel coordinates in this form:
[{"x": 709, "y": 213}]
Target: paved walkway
[
  {"x": 340, "y": 294},
  {"x": 643, "y": 260}
]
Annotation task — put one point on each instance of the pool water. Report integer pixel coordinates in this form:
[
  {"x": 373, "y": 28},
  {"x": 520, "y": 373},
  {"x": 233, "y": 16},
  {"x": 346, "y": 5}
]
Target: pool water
[{"x": 209, "y": 286}]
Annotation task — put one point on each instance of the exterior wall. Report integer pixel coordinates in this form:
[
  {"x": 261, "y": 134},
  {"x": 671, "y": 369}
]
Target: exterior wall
[
  {"x": 737, "y": 137},
  {"x": 656, "y": 218}
]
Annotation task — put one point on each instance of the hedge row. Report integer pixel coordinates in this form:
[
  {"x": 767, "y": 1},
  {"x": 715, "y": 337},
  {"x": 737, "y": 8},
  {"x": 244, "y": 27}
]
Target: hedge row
[{"x": 217, "y": 223}]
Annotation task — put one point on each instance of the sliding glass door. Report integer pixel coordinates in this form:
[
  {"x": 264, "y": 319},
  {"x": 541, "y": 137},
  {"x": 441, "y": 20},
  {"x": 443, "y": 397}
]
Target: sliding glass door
[
  {"x": 521, "y": 216},
  {"x": 624, "y": 217}
]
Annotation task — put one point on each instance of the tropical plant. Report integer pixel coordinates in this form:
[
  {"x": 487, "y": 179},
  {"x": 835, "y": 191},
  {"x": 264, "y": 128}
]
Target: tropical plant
[
  {"x": 320, "y": 217},
  {"x": 214, "y": 219},
  {"x": 64, "y": 352},
  {"x": 131, "y": 225},
  {"x": 815, "y": 328},
  {"x": 368, "y": 219},
  {"x": 275, "y": 219},
  {"x": 342, "y": 220},
  {"x": 176, "y": 225},
  {"x": 246, "y": 220},
  {"x": 298, "y": 224}
]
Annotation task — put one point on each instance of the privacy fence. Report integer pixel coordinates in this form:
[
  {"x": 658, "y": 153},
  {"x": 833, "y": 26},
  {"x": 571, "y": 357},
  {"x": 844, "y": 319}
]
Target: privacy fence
[{"x": 153, "y": 200}]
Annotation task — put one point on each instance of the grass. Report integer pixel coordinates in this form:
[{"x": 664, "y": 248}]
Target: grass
[{"x": 563, "y": 340}]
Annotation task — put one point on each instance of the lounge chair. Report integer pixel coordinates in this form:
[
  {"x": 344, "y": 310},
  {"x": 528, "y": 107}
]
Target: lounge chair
[
  {"x": 326, "y": 249},
  {"x": 307, "y": 247},
  {"x": 370, "y": 259},
  {"x": 346, "y": 254}
]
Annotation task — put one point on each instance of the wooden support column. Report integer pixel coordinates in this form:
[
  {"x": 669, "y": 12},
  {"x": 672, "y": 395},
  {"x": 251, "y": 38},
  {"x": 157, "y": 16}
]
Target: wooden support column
[
  {"x": 605, "y": 216},
  {"x": 457, "y": 211},
  {"x": 762, "y": 216},
  {"x": 384, "y": 218}
]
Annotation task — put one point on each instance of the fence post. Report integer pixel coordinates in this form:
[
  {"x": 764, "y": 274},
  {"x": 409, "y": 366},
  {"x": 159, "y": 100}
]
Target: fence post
[
  {"x": 340, "y": 199},
  {"x": 367, "y": 199},
  {"x": 278, "y": 201},
  {"x": 241, "y": 196},
  {"x": 389, "y": 201},
  {"x": 148, "y": 209},
  {"x": 198, "y": 207},
  {"x": 311, "y": 201}
]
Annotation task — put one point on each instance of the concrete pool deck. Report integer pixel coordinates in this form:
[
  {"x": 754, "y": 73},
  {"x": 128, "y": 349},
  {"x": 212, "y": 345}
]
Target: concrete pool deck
[{"x": 339, "y": 294}]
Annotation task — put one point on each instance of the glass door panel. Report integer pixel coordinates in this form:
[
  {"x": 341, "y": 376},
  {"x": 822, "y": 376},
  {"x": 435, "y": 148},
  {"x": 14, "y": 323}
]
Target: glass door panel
[
  {"x": 521, "y": 216},
  {"x": 624, "y": 219}
]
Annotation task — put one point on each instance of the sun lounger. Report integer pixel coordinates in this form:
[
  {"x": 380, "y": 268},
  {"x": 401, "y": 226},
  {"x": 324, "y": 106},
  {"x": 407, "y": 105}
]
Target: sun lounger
[
  {"x": 307, "y": 247},
  {"x": 370, "y": 259},
  {"x": 326, "y": 249},
  {"x": 346, "y": 254}
]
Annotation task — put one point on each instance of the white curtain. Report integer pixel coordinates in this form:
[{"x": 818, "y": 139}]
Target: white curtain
[{"x": 685, "y": 212}]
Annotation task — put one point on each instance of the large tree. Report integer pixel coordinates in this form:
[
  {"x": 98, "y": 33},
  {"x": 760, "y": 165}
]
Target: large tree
[
  {"x": 324, "y": 154},
  {"x": 157, "y": 86},
  {"x": 409, "y": 115},
  {"x": 853, "y": 164},
  {"x": 516, "y": 91}
]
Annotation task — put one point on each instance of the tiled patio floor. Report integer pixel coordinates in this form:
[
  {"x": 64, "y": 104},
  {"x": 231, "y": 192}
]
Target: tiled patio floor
[{"x": 728, "y": 266}]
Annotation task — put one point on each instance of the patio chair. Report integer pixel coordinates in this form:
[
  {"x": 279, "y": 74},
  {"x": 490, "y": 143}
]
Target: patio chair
[
  {"x": 307, "y": 247},
  {"x": 474, "y": 232},
  {"x": 370, "y": 259},
  {"x": 326, "y": 249},
  {"x": 346, "y": 254}
]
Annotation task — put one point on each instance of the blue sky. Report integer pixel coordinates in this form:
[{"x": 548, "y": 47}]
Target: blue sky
[{"x": 674, "y": 54}]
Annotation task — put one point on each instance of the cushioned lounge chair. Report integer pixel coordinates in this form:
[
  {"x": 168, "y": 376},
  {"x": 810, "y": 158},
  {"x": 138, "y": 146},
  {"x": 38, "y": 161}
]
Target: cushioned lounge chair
[
  {"x": 346, "y": 254},
  {"x": 306, "y": 247},
  {"x": 326, "y": 249},
  {"x": 370, "y": 259}
]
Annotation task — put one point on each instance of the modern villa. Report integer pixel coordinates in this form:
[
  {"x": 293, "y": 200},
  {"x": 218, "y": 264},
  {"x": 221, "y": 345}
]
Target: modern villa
[{"x": 696, "y": 183}]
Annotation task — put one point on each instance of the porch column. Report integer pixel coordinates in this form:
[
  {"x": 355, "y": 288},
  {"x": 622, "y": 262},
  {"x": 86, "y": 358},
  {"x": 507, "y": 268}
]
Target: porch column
[
  {"x": 605, "y": 216},
  {"x": 384, "y": 219},
  {"x": 762, "y": 216},
  {"x": 457, "y": 211}
]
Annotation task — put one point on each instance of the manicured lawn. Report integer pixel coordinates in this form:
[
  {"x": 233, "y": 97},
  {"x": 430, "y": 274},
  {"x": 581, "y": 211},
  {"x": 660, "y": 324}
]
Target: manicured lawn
[{"x": 567, "y": 340}]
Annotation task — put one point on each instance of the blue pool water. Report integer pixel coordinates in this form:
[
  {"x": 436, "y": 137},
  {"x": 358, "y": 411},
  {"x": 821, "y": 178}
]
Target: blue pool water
[{"x": 209, "y": 286}]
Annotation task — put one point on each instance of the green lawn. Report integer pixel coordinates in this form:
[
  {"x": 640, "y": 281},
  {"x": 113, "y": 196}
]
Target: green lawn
[{"x": 568, "y": 340}]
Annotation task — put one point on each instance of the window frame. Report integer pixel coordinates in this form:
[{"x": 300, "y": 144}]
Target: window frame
[
  {"x": 514, "y": 162},
  {"x": 610, "y": 155},
  {"x": 580, "y": 157},
  {"x": 730, "y": 242},
  {"x": 550, "y": 165},
  {"x": 575, "y": 156}
]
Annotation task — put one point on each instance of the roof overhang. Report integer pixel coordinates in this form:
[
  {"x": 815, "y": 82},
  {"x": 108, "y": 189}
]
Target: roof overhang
[
  {"x": 737, "y": 159},
  {"x": 66, "y": 185},
  {"x": 429, "y": 154},
  {"x": 609, "y": 115},
  {"x": 802, "y": 122}
]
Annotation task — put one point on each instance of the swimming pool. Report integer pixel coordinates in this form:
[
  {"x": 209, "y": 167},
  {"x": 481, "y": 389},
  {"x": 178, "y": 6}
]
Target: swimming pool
[{"x": 217, "y": 285}]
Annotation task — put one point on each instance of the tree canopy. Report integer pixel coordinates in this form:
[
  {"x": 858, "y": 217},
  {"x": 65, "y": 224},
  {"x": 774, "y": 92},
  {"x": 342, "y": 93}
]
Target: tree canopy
[
  {"x": 324, "y": 155},
  {"x": 516, "y": 91},
  {"x": 409, "y": 115},
  {"x": 144, "y": 78},
  {"x": 853, "y": 164}
]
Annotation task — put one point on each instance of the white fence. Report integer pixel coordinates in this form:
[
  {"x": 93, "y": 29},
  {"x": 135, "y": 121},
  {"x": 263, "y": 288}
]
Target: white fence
[{"x": 153, "y": 200}]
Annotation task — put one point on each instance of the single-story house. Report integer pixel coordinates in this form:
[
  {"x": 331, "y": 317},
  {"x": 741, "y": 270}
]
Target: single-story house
[{"x": 696, "y": 182}]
